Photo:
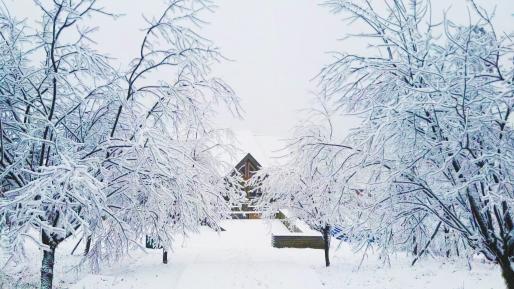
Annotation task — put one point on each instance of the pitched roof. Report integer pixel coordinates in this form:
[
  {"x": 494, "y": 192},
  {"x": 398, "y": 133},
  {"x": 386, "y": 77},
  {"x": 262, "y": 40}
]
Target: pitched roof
[{"x": 249, "y": 158}]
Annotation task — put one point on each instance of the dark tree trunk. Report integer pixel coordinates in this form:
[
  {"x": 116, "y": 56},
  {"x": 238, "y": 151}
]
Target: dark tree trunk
[
  {"x": 447, "y": 241},
  {"x": 507, "y": 272},
  {"x": 427, "y": 244},
  {"x": 88, "y": 246},
  {"x": 326, "y": 239},
  {"x": 415, "y": 250},
  {"x": 76, "y": 246},
  {"x": 47, "y": 268},
  {"x": 164, "y": 257},
  {"x": 485, "y": 227}
]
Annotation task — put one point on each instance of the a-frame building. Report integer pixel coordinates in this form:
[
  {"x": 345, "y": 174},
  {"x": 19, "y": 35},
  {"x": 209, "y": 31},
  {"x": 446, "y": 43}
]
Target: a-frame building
[{"x": 247, "y": 167}]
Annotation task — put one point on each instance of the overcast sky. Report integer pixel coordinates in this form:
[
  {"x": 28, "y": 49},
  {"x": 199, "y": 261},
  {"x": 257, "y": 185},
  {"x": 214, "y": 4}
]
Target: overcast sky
[
  {"x": 277, "y": 47},
  {"x": 280, "y": 45}
]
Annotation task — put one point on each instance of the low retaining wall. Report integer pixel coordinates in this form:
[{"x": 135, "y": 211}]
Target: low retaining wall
[
  {"x": 297, "y": 237},
  {"x": 297, "y": 241},
  {"x": 246, "y": 215}
]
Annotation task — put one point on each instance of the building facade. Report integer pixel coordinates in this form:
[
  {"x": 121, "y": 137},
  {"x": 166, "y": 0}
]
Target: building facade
[{"x": 247, "y": 167}]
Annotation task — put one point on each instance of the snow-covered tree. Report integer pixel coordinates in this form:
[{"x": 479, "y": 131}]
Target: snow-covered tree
[
  {"x": 100, "y": 154},
  {"x": 307, "y": 184},
  {"x": 434, "y": 100}
]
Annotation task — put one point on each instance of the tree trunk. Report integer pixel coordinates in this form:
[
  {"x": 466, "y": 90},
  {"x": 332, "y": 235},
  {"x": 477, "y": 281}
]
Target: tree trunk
[
  {"x": 88, "y": 246},
  {"x": 76, "y": 246},
  {"x": 415, "y": 250},
  {"x": 507, "y": 272},
  {"x": 427, "y": 244},
  {"x": 164, "y": 257},
  {"x": 447, "y": 241},
  {"x": 326, "y": 239},
  {"x": 47, "y": 268}
]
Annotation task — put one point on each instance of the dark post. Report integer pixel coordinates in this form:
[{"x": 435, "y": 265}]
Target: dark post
[
  {"x": 326, "y": 239},
  {"x": 164, "y": 256}
]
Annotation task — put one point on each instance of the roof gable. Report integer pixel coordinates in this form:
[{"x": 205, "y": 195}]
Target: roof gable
[{"x": 250, "y": 159}]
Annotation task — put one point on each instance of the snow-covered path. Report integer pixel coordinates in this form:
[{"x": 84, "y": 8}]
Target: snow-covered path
[{"x": 242, "y": 257}]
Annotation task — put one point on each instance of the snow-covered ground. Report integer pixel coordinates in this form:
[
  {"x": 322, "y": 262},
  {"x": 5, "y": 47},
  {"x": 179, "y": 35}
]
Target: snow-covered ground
[{"x": 242, "y": 257}]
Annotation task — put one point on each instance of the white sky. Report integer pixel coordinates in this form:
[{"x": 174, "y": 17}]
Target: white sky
[
  {"x": 277, "y": 47},
  {"x": 280, "y": 45}
]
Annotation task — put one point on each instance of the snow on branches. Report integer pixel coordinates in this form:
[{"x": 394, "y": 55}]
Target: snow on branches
[
  {"x": 309, "y": 183},
  {"x": 434, "y": 100},
  {"x": 105, "y": 155}
]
